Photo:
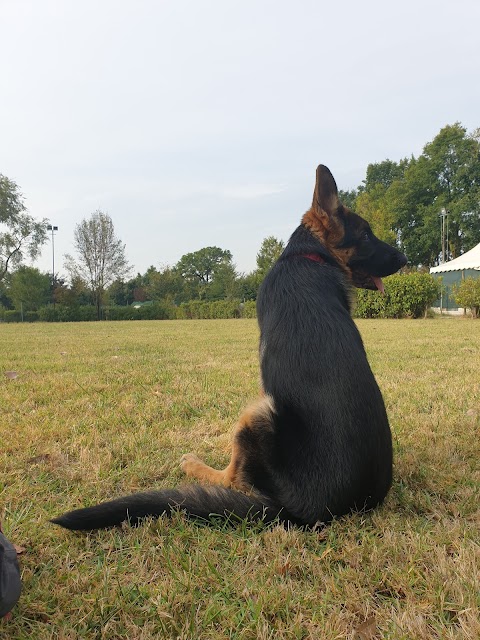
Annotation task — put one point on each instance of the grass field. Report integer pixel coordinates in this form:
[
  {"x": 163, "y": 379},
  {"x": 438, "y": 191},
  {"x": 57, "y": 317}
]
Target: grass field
[{"x": 101, "y": 409}]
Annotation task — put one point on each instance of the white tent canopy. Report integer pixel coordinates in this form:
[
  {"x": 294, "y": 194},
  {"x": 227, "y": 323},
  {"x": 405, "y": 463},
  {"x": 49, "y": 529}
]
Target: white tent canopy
[{"x": 469, "y": 260}]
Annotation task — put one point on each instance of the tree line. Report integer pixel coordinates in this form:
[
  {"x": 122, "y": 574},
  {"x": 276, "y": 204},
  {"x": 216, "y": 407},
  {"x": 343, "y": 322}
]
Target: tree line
[
  {"x": 403, "y": 201},
  {"x": 97, "y": 275}
]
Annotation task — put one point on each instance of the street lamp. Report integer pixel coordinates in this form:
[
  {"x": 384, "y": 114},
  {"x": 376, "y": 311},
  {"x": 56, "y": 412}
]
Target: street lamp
[
  {"x": 444, "y": 230},
  {"x": 53, "y": 229}
]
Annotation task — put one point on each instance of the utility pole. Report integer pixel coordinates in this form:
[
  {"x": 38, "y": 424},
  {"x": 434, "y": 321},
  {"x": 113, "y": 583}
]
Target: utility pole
[
  {"x": 53, "y": 229},
  {"x": 444, "y": 231}
]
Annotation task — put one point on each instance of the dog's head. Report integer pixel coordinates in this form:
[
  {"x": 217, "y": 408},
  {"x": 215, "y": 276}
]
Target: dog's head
[{"x": 348, "y": 237}]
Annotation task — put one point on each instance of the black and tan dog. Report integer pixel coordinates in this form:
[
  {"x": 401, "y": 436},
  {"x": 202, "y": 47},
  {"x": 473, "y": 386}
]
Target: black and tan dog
[{"x": 317, "y": 443}]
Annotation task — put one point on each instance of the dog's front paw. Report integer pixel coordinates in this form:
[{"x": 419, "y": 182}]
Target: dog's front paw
[{"x": 189, "y": 462}]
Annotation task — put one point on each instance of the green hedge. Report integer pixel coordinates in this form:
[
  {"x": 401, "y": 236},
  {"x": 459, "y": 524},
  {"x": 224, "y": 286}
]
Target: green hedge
[
  {"x": 62, "y": 313},
  {"x": 156, "y": 311},
  {"x": 249, "y": 309},
  {"x": 195, "y": 309},
  {"x": 11, "y": 316},
  {"x": 198, "y": 309},
  {"x": 407, "y": 295},
  {"x": 7, "y": 315}
]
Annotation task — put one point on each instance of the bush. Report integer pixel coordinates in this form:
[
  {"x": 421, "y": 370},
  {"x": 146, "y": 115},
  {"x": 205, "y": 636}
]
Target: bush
[
  {"x": 63, "y": 313},
  {"x": 49, "y": 314},
  {"x": 369, "y": 304},
  {"x": 8, "y": 315},
  {"x": 467, "y": 295},
  {"x": 30, "y": 316},
  {"x": 407, "y": 295},
  {"x": 199, "y": 309},
  {"x": 156, "y": 311},
  {"x": 410, "y": 295},
  {"x": 12, "y": 316},
  {"x": 85, "y": 313},
  {"x": 248, "y": 309},
  {"x": 120, "y": 313}
]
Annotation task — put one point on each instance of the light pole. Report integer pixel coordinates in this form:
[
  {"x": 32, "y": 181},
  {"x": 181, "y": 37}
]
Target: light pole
[
  {"x": 444, "y": 230},
  {"x": 53, "y": 229}
]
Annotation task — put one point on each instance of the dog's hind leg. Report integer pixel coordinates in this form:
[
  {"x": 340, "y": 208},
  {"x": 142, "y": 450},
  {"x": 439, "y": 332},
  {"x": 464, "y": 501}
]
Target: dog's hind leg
[{"x": 258, "y": 416}]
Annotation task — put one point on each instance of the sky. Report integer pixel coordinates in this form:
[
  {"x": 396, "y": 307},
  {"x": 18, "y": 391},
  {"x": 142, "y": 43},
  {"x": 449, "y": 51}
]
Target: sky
[{"x": 197, "y": 123}]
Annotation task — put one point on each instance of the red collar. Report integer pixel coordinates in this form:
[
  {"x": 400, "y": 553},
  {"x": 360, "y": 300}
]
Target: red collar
[{"x": 315, "y": 257}]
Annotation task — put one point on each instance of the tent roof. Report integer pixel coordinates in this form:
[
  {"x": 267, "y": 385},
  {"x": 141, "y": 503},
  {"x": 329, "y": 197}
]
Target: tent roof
[{"x": 469, "y": 260}]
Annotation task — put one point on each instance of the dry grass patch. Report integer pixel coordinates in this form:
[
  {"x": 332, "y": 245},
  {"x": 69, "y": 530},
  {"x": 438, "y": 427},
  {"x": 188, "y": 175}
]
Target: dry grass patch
[{"x": 97, "y": 410}]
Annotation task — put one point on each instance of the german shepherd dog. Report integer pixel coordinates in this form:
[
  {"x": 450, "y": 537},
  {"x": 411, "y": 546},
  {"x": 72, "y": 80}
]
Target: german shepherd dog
[{"x": 317, "y": 442}]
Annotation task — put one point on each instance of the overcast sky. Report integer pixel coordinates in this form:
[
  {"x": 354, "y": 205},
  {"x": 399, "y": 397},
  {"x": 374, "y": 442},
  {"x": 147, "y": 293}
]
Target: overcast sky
[{"x": 200, "y": 122}]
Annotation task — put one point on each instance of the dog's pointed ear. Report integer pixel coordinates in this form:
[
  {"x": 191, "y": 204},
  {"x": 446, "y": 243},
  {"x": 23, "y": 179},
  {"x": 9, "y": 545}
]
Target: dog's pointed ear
[{"x": 325, "y": 196}]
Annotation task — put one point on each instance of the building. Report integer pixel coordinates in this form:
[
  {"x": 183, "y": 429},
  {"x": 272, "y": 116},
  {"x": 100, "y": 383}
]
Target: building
[{"x": 453, "y": 272}]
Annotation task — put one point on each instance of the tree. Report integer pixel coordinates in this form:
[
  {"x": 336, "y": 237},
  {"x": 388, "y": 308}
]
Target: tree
[
  {"x": 75, "y": 295},
  {"x": 467, "y": 294},
  {"x": 118, "y": 293},
  {"x": 383, "y": 173},
  {"x": 201, "y": 267},
  {"x": 123, "y": 293},
  {"x": 454, "y": 163},
  {"x": 248, "y": 286},
  {"x": 166, "y": 284},
  {"x": 373, "y": 205},
  {"x": 29, "y": 288},
  {"x": 225, "y": 284},
  {"x": 403, "y": 200},
  {"x": 373, "y": 202},
  {"x": 416, "y": 217},
  {"x": 20, "y": 234},
  {"x": 100, "y": 255},
  {"x": 446, "y": 175},
  {"x": 348, "y": 198},
  {"x": 5, "y": 300},
  {"x": 270, "y": 251}
]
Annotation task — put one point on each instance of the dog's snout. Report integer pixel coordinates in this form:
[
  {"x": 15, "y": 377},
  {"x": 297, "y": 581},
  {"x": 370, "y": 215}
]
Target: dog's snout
[{"x": 401, "y": 260}]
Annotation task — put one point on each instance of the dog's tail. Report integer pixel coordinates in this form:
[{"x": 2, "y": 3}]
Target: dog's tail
[{"x": 195, "y": 500}]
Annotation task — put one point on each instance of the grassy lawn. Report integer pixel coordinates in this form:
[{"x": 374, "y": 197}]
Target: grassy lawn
[{"x": 98, "y": 410}]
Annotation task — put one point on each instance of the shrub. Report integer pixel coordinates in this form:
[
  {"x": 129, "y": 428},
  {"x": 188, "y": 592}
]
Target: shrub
[
  {"x": 248, "y": 309},
  {"x": 12, "y": 316},
  {"x": 8, "y": 315},
  {"x": 156, "y": 311},
  {"x": 467, "y": 294},
  {"x": 199, "y": 309},
  {"x": 49, "y": 314},
  {"x": 63, "y": 313},
  {"x": 407, "y": 295},
  {"x": 411, "y": 294},
  {"x": 121, "y": 313},
  {"x": 369, "y": 304}
]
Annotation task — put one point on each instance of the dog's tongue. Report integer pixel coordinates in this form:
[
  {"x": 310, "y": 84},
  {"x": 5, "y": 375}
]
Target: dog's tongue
[{"x": 378, "y": 283}]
